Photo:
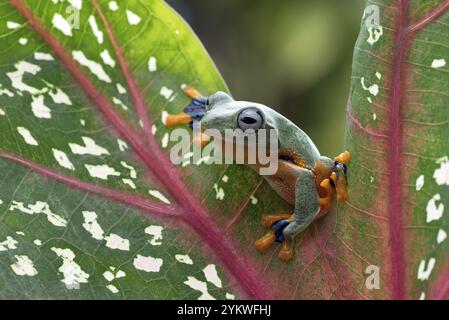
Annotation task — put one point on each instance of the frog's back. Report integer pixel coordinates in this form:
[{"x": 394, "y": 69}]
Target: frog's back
[{"x": 292, "y": 138}]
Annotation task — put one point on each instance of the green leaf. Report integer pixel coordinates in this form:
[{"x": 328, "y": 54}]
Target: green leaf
[
  {"x": 398, "y": 134},
  {"x": 91, "y": 206}
]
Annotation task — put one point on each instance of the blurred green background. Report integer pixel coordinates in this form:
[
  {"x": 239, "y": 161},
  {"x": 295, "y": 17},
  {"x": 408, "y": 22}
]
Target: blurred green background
[{"x": 292, "y": 55}]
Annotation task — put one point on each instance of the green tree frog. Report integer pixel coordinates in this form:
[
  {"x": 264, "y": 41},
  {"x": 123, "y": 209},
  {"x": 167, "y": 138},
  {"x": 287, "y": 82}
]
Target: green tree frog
[{"x": 305, "y": 179}]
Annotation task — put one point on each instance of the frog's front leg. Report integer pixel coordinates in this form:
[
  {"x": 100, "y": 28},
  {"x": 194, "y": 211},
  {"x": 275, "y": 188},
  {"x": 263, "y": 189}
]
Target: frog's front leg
[{"x": 307, "y": 206}]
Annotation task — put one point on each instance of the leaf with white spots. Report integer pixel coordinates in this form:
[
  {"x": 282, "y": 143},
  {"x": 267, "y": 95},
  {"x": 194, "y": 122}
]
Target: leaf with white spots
[
  {"x": 92, "y": 208},
  {"x": 397, "y": 132}
]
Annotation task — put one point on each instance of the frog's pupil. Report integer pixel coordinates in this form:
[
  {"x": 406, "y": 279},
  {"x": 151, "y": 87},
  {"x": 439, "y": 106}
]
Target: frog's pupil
[{"x": 249, "y": 120}]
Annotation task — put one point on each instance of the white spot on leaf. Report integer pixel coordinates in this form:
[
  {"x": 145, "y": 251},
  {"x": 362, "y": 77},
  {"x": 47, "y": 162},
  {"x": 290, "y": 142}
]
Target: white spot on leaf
[
  {"x": 164, "y": 142},
  {"x": 8, "y": 244},
  {"x": 230, "y": 296},
  {"x": 152, "y": 64},
  {"x": 210, "y": 272},
  {"x": 133, "y": 18},
  {"x": 39, "y": 109},
  {"x": 420, "y": 182},
  {"x": 93, "y": 66},
  {"x": 156, "y": 233},
  {"x": 157, "y": 194},
  {"x": 77, "y": 4},
  {"x": 132, "y": 170},
  {"x": 92, "y": 226},
  {"x": 23, "y": 266},
  {"x": 16, "y": 77},
  {"x": 108, "y": 275},
  {"x": 72, "y": 272},
  {"x": 219, "y": 192},
  {"x": 122, "y": 145},
  {"x": 438, "y": 63},
  {"x": 12, "y": 25},
  {"x": 184, "y": 258},
  {"x": 40, "y": 207},
  {"x": 373, "y": 89},
  {"x": 26, "y": 135},
  {"x": 441, "y": 236},
  {"x": 90, "y": 147},
  {"x": 434, "y": 211},
  {"x": 107, "y": 59},
  {"x": 129, "y": 182},
  {"x": 101, "y": 171},
  {"x": 118, "y": 102},
  {"x": 60, "y": 96},
  {"x": 148, "y": 264},
  {"x": 120, "y": 88},
  {"x": 112, "y": 288},
  {"x": 423, "y": 271},
  {"x": 62, "y": 159},
  {"x": 113, "y": 6},
  {"x": 97, "y": 32},
  {"x": 43, "y": 56},
  {"x": 441, "y": 175},
  {"x": 200, "y": 286},
  {"x": 166, "y": 92},
  {"x": 62, "y": 24},
  {"x": 375, "y": 33},
  {"x": 114, "y": 241},
  {"x": 253, "y": 200}
]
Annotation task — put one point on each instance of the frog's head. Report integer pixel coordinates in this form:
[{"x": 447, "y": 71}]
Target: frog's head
[
  {"x": 223, "y": 112},
  {"x": 219, "y": 114}
]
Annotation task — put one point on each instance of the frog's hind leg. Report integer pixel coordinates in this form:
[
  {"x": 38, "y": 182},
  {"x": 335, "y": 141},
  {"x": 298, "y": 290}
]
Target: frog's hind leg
[{"x": 307, "y": 206}]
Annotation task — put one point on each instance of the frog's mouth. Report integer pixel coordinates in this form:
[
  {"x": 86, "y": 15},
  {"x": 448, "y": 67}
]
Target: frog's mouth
[{"x": 290, "y": 156}]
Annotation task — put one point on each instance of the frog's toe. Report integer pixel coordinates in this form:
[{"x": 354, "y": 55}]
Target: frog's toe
[
  {"x": 264, "y": 243},
  {"x": 174, "y": 120},
  {"x": 269, "y": 219},
  {"x": 192, "y": 92},
  {"x": 286, "y": 252},
  {"x": 326, "y": 202},
  {"x": 344, "y": 157}
]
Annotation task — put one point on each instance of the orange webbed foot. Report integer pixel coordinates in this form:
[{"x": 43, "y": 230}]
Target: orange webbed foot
[{"x": 338, "y": 177}]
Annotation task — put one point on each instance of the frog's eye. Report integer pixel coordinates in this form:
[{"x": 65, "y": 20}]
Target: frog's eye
[{"x": 250, "y": 118}]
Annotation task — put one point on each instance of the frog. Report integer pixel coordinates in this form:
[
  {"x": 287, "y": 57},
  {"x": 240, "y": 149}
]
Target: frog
[{"x": 309, "y": 182}]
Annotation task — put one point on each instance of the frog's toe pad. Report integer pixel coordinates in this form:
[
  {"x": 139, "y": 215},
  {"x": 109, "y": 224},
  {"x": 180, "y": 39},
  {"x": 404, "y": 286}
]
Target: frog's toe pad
[{"x": 286, "y": 252}]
